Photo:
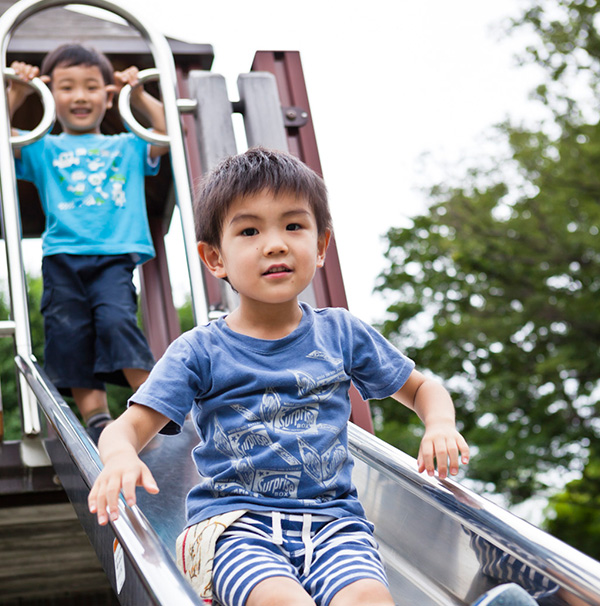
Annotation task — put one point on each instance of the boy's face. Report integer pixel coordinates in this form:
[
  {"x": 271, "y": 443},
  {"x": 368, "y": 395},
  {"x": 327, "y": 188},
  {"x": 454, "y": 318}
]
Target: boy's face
[
  {"x": 270, "y": 248},
  {"x": 81, "y": 98}
]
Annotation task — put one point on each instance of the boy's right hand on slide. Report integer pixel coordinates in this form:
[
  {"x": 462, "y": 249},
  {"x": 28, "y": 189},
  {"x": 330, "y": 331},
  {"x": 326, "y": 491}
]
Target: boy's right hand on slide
[{"x": 120, "y": 473}]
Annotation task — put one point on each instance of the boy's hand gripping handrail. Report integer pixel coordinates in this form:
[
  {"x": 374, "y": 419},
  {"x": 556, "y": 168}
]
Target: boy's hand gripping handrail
[
  {"x": 128, "y": 117},
  {"x": 184, "y": 106},
  {"x": 48, "y": 118}
]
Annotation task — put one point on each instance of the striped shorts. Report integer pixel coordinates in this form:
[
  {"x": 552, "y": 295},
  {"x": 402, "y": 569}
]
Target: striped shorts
[
  {"x": 505, "y": 568},
  {"x": 322, "y": 553}
]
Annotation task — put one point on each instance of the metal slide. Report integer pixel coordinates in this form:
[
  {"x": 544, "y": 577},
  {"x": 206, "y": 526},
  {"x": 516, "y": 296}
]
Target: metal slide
[{"x": 424, "y": 525}]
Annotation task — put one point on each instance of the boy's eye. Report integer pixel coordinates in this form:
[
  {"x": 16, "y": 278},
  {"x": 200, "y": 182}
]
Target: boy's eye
[
  {"x": 293, "y": 227},
  {"x": 249, "y": 231}
]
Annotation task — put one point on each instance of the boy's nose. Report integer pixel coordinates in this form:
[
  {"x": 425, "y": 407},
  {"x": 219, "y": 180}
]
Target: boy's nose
[
  {"x": 80, "y": 94},
  {"x": 275, "y": 245}
]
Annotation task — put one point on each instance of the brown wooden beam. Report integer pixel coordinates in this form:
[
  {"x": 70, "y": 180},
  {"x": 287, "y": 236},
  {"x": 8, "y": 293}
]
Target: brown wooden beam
[{"x": 161, "y": 322}]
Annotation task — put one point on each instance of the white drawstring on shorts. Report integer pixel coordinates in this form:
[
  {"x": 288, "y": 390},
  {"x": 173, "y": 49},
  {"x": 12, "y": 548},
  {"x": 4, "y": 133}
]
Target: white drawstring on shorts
[
  {"x": 307, "y": 540},
  {"x": 277, "y": 533},
  {"x": 277, "y": 537}
]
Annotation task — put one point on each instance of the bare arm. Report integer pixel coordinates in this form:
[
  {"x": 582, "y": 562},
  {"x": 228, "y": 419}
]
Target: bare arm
[
  {"x": 123, "y": 470},
  {"x": 150, "y": 107},
  {"x": 441, "y": 442},
  {"x": 18, "y": 90}
]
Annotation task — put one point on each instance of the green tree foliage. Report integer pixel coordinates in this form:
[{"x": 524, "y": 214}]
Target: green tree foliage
[
  {"x": 575, "y": 513},
  {"x": 186, "y": 315},
  {"x": 8, "y": 379},
  {"x": 496, "y": 287},
  {"x": 567, "y": 46}
]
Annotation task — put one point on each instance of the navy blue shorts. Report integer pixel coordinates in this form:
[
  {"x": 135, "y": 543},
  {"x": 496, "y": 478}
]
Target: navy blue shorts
[{"x": 89, "y": 306}]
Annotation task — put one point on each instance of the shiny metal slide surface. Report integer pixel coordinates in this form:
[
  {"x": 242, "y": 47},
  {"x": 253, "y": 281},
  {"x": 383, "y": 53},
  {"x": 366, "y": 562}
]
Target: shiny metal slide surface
[
  {"x": 426, "y": 528},
  {"x": 424, "y": 525}
]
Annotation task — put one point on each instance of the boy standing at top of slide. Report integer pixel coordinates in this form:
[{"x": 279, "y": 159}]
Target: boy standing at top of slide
[{"x": 91, "y": 187}]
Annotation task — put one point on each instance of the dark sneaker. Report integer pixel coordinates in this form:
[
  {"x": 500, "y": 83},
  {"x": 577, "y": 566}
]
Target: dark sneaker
[{"x": 509, "y": 594}]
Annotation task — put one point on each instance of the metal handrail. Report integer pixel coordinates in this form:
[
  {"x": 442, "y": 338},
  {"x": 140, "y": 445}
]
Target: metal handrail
[
  {"x": 11, "y": 227},
  {"x": 128, "y": 117},
  {"x": 556, "y": 560},
  {"x": 165, "y": 65},
  {"x": 48, "y": 117},
  {"x": 144, "y": 547},
  {"x": 185, "y": 106},
  {"x": 7, "y": 328}
]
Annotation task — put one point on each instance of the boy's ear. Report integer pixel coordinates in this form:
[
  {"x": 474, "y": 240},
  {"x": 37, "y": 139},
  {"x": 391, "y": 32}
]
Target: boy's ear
[
  {"x": 322, "y": 245},
  {"x": 211, "y": 257},
  {"x": 111, "y": 89}
]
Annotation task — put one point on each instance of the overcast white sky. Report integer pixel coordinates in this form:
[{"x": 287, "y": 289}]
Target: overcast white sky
[{"x": 388, "y": 81}]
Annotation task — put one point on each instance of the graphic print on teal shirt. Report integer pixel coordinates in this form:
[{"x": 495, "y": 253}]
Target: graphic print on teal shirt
[{"x": 92, "y": 177}]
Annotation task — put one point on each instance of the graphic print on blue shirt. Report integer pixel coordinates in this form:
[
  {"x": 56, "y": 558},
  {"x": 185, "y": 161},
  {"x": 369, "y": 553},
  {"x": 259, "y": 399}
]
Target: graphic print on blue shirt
[
  {"x": 256, "y": 433},
  {"x": 272, "y": 415}
]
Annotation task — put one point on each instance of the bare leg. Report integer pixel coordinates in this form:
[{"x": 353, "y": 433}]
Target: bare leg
[
  {"x": 279, "y": 591},
  {"x": 90, "y": 402},
  {"x": 93, "y": 403},
  {"x": 135, "y": 376},
  {"x": 366, "y": 592}
]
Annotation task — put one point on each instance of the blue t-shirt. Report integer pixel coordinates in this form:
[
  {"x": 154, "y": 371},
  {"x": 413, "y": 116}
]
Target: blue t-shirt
[
  {"x": 272, "y": 415},
  {"x": 92, "y": 192}
]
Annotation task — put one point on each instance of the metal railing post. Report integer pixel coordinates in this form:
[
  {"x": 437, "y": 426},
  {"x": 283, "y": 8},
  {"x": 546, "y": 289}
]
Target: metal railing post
[{"x": 165, "y": 64}]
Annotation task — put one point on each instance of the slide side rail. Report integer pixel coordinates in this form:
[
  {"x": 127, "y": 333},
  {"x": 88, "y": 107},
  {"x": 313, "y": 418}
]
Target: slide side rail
[
  {"x": 427, "y": 528},
  {"x": 144, "y": 571}
]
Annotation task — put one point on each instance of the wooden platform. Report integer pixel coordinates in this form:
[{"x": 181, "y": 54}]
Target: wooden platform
[{"x": 46, "y": 558}]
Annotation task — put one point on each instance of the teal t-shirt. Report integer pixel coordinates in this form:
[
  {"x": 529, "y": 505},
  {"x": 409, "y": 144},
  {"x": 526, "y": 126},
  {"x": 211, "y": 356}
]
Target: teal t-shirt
[{"x": 92, "y": 192}]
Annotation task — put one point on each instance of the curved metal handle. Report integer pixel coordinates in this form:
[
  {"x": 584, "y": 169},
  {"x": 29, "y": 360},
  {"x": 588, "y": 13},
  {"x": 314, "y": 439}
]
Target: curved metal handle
[
  {"x": 14, "y": 16},
  {"x": 47, "y": 121},
  {"x": 127, "y": 114}
]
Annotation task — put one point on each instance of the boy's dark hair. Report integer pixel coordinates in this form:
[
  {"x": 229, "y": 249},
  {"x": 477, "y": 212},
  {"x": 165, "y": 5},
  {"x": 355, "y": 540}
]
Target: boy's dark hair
[
  {"x": 68, "y": 55},
  {"x": 254, "y": 171}
]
